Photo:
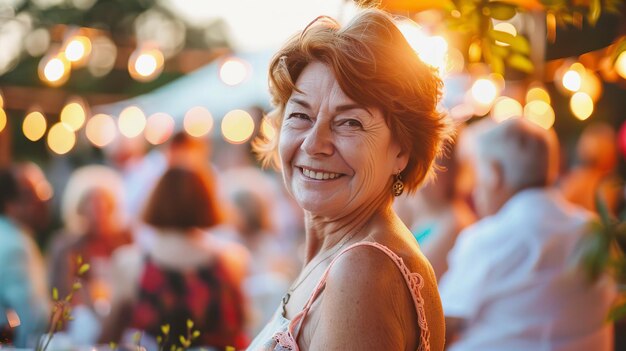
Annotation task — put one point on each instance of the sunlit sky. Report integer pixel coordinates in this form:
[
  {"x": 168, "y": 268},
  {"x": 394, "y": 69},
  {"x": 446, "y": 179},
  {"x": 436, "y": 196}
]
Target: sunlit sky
[{"x": 260, "y": 24}]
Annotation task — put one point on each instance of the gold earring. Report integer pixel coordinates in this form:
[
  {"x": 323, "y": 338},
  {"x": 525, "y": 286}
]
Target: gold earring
[{"x": 398, "y": 185}]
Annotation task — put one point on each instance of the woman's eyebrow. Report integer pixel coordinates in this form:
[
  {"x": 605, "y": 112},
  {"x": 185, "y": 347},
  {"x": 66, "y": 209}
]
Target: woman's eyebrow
[
  {"x": 300, "y": 102},
  {"x": 346, "y": 107}
]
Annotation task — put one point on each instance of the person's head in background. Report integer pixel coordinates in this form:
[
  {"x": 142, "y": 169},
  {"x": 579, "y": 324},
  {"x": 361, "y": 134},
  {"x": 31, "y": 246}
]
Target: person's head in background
[
  {"x": 187, "y": 151},
  {"x": 123, "y": 153},
  {"x": 597, "y": 147},
  {"x": 183, "y": 200},
  {"x": 512, "y": 156},
  {"x": 252, "y": 215},
  {"x": 93, "y": 201},
  {"x": 442, "y": 189},
  {"x": 35, "y": 195}
]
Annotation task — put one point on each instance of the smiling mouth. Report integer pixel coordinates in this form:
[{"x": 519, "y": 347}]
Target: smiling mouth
[{"x": 319, "y": 175}]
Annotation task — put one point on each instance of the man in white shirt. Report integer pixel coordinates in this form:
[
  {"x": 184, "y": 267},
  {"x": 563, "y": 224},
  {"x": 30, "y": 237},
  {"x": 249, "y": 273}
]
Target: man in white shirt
[{"x": 512, "y": 282}]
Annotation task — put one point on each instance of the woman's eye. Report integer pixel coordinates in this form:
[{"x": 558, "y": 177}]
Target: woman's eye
[
  {"x": 299, "y": 116},
  {"x": 351, "y": 123}
]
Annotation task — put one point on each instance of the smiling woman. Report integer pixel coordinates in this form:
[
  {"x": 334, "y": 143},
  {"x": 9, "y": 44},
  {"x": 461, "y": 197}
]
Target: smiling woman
[{"x": 356, "y": 113}]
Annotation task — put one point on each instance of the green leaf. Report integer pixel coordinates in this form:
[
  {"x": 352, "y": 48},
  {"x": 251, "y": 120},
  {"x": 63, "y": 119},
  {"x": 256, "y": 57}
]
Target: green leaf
[
  {"x": 55, "y": 294},
  {"x": 83, "y": 268},
  {"x": 501, "y": 10},
  {"x": 602, "y": 209},
  {"x": 595, "y": 8},
  {"x": 521, "y": 63},
  {"x": 520, "y": 44}
]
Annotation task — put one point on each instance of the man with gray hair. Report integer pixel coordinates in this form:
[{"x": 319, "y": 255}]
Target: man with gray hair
[{"x": 512, "y": 283}]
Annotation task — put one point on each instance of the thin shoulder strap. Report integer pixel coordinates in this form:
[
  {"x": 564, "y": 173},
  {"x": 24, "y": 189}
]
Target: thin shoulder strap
[{"x": 414, "y": 281}]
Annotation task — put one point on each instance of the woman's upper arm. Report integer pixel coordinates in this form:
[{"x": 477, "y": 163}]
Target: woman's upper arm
[{"x": 365, "y": 305}]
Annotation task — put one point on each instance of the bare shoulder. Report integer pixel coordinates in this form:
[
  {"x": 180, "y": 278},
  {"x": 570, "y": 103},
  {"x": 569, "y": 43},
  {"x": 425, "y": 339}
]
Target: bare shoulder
[{"x": 366, "y": 305}]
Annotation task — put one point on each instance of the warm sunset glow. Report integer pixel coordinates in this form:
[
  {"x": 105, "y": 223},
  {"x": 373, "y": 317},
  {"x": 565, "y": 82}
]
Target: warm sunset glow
[
  {"x": 237, "y": 126},
  {"x": 131, "y": 121},
  {"x": 505, "y": 108},
  {"x": 73, "y": 115},
  {"x": 34, "y": 126},
  {"x": 234, "y": 71},
  {"x": 198, "y": 121},
  {"x": 61, "y": 138},
  {"x": 540, "y": 113},
  {"x": 159, "y": 128},
  {"x": 581, "y": 105},
  {"x": 101, "y": 130}
]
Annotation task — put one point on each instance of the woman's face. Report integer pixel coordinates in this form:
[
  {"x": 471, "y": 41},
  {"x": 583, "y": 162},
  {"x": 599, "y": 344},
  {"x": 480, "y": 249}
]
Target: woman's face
[{"x": 336, "y": 154}]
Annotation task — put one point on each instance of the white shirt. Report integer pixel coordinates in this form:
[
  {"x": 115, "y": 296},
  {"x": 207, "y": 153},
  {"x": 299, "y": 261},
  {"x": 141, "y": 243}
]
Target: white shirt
[{"x": 512, "y": 277}]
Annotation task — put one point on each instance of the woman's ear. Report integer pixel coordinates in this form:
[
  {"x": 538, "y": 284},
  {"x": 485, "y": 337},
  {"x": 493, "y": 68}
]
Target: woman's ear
[{"x": 401, "y": 159}]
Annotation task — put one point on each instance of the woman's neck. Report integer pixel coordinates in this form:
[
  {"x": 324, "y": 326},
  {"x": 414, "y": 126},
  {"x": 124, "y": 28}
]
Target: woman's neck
[{"x": 324, "y": 233}]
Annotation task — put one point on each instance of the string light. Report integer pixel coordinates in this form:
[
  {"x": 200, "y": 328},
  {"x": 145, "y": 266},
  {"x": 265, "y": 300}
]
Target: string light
[
  {"x": 581, "y": 105},
  {"x": 61, "y": 138},
  {"x": 101, "y": 130},
  {"x": 237, "y": 126},
  {"x": 159, "y": 128},
  {"x": 3, "y": 119},
  {"x": 234, "y": 71},
  {"x": 145, "y": 64},
  {"x": 540, "y": 113},
  {"x": 198, "y": 121},
  {"x": 78, "y": 49},
  {"x": 73, "y": 115},
  {"x": 131, "y": 122},
  {"x": 54, "y": 70},
  {"x": 505, "y": 108},
  {"x": 620, "y": 64},
  {"x": 34, "y": 126},
  {"x": 484, "y": 91}
]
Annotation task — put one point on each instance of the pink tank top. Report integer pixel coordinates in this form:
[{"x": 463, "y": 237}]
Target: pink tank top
[{"x": 281, "y": 334}]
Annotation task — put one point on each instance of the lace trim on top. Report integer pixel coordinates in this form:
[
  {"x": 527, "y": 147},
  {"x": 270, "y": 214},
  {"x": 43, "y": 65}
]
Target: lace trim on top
[{"x": 286, "y": 340}]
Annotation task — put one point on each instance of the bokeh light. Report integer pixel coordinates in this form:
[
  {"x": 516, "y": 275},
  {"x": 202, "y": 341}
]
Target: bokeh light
[
  {"x": 620, "y": 64},
  {"x": 73, "y": 115},
  {"x": 131, "y": 121},
  {"x": 234, "y": 71},
  {"x": 37, "y": 42},
  {"x": 1, "y": 100},
  {"x": 237, "y": 126},
  {"x": 103, "y": 55},
  {"x": 581, "y": 105},
  {"x": 159, "y": 128},
  {"x": 505, "y": 108},
  {"x": 145, "y": 64},
  {"x": 540, "y": 113},
  {"x": 432, "y": 50},
  {"x": 34, "y": 126},
  {"x": 591, "y": 85},
  {"x": 484, "y": 91},
  {"x": 78, "y": 49},
  {"x": 198, "y": 121},
  {"x": 3, "y": 119},
  {"x": 537, "y": 93},
  {"x": 54, "y": 70},
  {"x": 61, "y": 138},
  {"x": 505, "y": 27},
  {"x": 101, "y": 130},
  {"x": 573, "y": 77}
]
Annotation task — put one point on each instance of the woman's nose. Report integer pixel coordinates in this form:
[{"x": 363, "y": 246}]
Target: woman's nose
[{"x": 319, "y": 140}]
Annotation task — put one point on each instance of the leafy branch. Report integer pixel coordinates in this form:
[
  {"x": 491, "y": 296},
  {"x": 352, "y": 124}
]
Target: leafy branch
[
  {"x": 603, "y": 251},
  {"x": 62, "y": 307}
]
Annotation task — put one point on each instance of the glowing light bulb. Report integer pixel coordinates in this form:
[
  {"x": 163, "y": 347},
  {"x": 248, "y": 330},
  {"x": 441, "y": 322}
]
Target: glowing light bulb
[
  {"x": 484, "y": 91},
  {"x": 73, "y": 115},
  {"x": 34, "y": 126},
  {"x": 61, "y": 138},
  {"x": 55, "y": 70},
  {"x": 101, "y": 130},
  {"x": 572, "y": 80},
  {"x": 505, "y": 108},
  {"x": 145, "y": 64},
  {"x": 540, "y": 113},
  {"x": 198, "y": 121},
  {"x": 267, "y": 130},
  {"x": 237, "y": 126},
  {"x": 131, "y": 121},
  {"x": 537, "y": 93},
  {"x": 78, "y": 48},
  {"x": 233, "y": 71},
  {"x": 159, "y": 128},
  {"x": 3, "y": 119},
  {"x": 581, "y": 105}
]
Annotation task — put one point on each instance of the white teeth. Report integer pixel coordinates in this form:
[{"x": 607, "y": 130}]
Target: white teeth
[{"x": 319, "y": 175}]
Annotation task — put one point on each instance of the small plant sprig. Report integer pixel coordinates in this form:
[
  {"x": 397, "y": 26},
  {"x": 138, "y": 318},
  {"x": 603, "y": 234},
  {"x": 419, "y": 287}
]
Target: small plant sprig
[
  {"x": 185, "y": 341},
  {"x": 61, "y": 307}
]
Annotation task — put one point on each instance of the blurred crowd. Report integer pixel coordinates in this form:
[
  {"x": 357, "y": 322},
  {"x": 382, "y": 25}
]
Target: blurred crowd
[{"x": 182, "y": 233}]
